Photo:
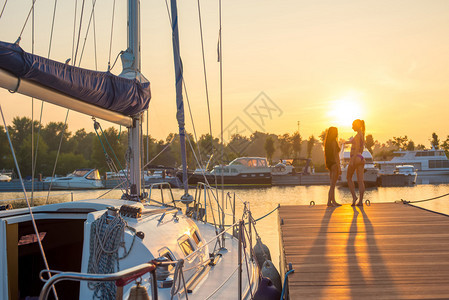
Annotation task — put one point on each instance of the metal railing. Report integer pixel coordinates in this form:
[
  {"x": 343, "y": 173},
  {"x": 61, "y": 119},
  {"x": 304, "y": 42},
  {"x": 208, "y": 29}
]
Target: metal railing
[
  {"x": 121, "y": 278},
  {"x": 161, "y": 185}
]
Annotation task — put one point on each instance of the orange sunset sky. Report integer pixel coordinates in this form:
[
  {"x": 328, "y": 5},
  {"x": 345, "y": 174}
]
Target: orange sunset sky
[{"x": 322, "y": 63}]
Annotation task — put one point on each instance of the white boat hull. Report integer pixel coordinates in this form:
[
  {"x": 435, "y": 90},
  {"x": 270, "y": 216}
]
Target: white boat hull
[
  {"x": 76, "y": 185},
  {"x": 370, "y": 177}
]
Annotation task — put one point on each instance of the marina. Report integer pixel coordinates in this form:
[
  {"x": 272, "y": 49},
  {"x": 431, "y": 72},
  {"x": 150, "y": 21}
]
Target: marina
[{"x": 217, "y": 189}]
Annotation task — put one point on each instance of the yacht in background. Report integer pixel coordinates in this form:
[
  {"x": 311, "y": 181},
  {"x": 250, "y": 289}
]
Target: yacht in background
[
  {"x": 242, "y": 171},
  {"x": 425, "y": 162},
  {"x": 78, "y": 180},
  {"x": 5, "y": 178},
  {"x": 399, "y": 176},
  {"x": 371, "y": 172}
]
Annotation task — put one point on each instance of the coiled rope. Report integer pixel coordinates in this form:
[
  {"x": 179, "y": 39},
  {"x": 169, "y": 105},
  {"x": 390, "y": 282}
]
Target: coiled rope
[
  {"x": 424, "y": 200},
  {"x": 107, "y": 236}
]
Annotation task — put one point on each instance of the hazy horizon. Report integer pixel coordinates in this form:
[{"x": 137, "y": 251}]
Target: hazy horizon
[{"x": 323, "y": 63}]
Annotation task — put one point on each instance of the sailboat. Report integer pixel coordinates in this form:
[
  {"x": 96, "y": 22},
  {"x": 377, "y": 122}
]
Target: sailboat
[{"x": 114, "y": 248}]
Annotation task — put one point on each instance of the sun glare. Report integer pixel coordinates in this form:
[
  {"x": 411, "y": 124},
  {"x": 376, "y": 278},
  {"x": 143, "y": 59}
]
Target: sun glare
[{"x": 345, "y": 110}]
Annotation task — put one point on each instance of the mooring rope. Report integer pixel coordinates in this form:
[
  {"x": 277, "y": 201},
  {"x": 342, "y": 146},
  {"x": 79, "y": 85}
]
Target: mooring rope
[
  {"x": 254, "y": 220},
  {"x": 424, "y": 200},
  {"x": 106, "y": 237}
]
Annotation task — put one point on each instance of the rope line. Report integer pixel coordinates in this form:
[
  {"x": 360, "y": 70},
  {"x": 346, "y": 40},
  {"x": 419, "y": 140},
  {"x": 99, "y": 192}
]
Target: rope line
[
  {"x": 106, "y": 237},
  {"x": 74, "y": 28},
  {"x": 57, "y": 155},
  {"x": 165, "y": 148},
  {"x": 204, "y": 68},
  {"x": 112, "y": 31},
  {"x": 424, "y": 200},
  {"x": 79, "y": 33},
  {"x": 95, "y": 40},
  {"x": 26, "y": 21},
  {"x": 36, "y": 231},
  {"x": 255, "y": 220},
  {"x": 87, "y": 31},
  {"x": 109, "y": 161},
  {"x": 52, "y": 27},
  {"x": 3, "y": 9}
]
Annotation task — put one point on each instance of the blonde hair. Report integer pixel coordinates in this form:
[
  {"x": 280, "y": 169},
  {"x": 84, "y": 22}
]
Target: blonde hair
[{"x": 359, "y": 124}]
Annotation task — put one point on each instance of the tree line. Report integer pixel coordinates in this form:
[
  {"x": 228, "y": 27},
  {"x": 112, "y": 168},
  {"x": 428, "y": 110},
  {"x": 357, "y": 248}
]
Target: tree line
[{"x": 54, "y": 142}]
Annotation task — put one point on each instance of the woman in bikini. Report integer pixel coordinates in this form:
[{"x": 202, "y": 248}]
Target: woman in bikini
[
  {"x": 331, "y": 151},
  {"x": 357, "y": 162}
]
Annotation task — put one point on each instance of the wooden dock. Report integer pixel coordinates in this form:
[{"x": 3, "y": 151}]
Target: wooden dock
[{"x": 381, "y": 251}]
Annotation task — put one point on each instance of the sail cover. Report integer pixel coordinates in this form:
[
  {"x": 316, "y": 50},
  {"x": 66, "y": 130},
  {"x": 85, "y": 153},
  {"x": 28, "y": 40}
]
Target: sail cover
[{"x": 104, "y": 89}]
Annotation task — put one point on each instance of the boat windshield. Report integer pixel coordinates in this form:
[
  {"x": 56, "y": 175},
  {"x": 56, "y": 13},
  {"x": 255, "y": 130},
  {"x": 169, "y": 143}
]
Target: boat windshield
[
  {"x": 94, "y": 175},
  {"x": 249, "y": 162},
  {"x": 79, "y": 173}
]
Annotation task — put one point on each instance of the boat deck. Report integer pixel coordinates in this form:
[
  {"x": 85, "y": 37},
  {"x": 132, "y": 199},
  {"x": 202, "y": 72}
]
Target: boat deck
[{"x": 381, "y": 251}]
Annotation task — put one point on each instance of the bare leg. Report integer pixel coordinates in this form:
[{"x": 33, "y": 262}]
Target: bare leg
[
  {"x": 329, "y": 195},
  {"x": 333, "y": 173},
  {"x": 361, "y": 182},
  {"x": 334, "y": 179},
  {"x": 351, "y": 185}
]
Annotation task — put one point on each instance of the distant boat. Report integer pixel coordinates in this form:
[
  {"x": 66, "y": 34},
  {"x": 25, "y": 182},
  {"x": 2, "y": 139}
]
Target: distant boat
[
  {"x": 242, "y": 171},
  {"x": 78, "y": 180},
  {"x": 5, "y": 178},
  {"x": 426, "y": 162},
  {"x": 401, "y": 176}
]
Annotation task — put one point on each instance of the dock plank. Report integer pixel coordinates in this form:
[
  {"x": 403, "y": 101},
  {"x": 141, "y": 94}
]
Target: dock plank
[{"x": 381, "y": 251}]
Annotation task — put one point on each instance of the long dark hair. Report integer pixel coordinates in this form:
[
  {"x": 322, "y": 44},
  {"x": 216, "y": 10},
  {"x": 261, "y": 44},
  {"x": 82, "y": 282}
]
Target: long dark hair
[
  {"x": 329, "y": 141},
  {"x": 331, "y": 135}
]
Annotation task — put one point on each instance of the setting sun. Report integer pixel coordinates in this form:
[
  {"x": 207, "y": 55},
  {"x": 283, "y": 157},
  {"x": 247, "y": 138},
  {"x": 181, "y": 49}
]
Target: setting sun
[{"x": 346, "y": 109}]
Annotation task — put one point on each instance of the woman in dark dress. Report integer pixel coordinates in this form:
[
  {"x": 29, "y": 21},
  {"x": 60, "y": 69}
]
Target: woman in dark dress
[{"x": 331, "y": 155}]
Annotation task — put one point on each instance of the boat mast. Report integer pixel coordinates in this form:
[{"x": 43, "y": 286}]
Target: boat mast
[
  {"x": 179, "y": 101},
  {"x": 131, "y": 70}
]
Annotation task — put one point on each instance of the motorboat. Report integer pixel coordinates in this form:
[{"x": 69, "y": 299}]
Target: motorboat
[
  {"x": 79, "y": 179},
  {"x": 370, "y": 172},
  {"x": 161, "y": 176},
  {"x": 282, "y": 168},
  {"x": 241, "y": 172},
  {"x": 5, "y": 178},
  {"x": 425, "y": 162},
  {"x": 401, "y": 175}
]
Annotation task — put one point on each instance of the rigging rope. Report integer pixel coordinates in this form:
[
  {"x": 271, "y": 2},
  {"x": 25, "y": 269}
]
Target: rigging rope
[
  {"x": 204, "y": 68},
  {"x": 74, "y": 29},
  {"x": 26, "y": 21},
  {"x": 110, "y": 162},
  {"x": 33, "y": 221},
  {"x": 424, "y": 200},
  {"x": 42, "y": 102},
  {"x": 87, "y": 31},
  {"x": 115, "y": 61},
  {"x": 112, "y": 31},
  {"x": 57, "y": 155},
  {"x": 3, "y": 9},
  {"x": 32, "y": 118},
  {"x": 95, "y": 40},
  {"x": 185, "y": 88},
  {"x": 165, "y": 148},
  {"x": 52, "y": 27},
  {"x": 79, "y": 33}
]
